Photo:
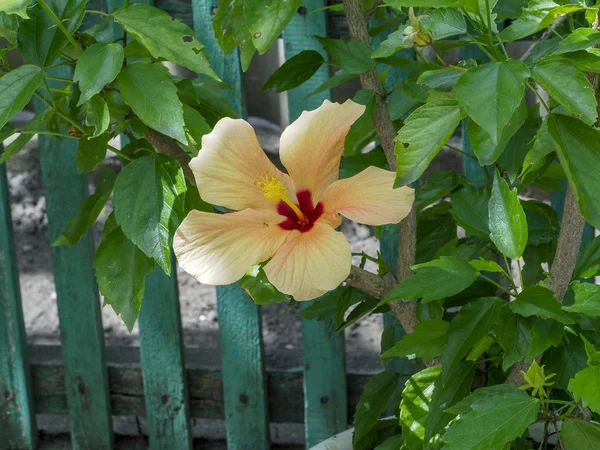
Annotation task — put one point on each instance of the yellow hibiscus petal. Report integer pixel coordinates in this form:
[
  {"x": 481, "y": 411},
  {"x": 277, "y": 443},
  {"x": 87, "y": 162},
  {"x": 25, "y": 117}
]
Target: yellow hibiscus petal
[
  {"x": 312, "y": 146},
  {"x": 369, "y": 198},
  {"x": 228, "y": 164},
  {"x": 310, "y": 264},
  {"x": 219, "y": 248}
]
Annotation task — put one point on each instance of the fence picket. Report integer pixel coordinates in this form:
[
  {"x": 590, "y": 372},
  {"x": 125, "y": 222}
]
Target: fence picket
[
  {"x": 77, "y": 297},
  {"x": 325, "y": 396},
  {"x": 161, "y": 353},
  {"x": 240, "y": 330},
  {"x": 17, "y": 416}
]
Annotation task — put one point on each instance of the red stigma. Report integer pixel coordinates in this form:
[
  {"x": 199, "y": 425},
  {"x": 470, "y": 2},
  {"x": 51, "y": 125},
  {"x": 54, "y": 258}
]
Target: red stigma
[{"x": 305, "y": 204}]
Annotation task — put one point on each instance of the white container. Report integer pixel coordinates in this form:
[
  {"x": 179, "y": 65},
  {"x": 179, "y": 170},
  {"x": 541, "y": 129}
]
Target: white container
[{"x": 342, "y": 441}]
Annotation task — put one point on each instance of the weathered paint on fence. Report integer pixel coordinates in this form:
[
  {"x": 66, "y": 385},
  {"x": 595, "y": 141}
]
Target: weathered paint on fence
[
  {"x": 325, "y": 399},
  {"x": 161, "y": 350},
  {"x": 240, "y": 330},
  {"x": 18, "y": 428},
  {"x": 77, "y": 297}
]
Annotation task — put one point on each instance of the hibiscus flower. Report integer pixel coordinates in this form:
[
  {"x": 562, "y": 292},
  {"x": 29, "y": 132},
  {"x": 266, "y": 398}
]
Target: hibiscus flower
[{"x": 289, "y": 219}]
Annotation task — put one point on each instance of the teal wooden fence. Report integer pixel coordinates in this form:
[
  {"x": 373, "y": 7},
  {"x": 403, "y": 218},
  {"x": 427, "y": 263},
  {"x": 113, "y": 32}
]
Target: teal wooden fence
[{"x": 164, "y": 382}]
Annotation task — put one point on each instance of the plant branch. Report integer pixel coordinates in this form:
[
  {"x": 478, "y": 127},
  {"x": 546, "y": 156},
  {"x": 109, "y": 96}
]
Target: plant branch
[
  {"x": 546, "y": 35},
  {"x": 358, "y": 26}
]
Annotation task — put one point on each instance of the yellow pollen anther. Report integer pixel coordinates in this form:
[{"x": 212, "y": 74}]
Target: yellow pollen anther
[{"x": 274, "y": 190}]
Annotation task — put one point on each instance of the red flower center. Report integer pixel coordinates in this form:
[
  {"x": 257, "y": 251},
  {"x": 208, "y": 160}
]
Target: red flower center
[{"x": 311, "y": 213}]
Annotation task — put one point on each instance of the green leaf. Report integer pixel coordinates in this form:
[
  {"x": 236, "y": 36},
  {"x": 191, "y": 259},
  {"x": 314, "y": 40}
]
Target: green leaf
[
  {"x": 587, "y": 299},
  {"x": 544, "y": 334},
  {"x": 415, "y": 405},
  {"x": 493, "y": 421},
  {"x": 196, "y": 127},
  {"x": 295, "y": 71},
  {"x": 421, "y": 138},
  {"x": 394, "y": 442},
  {"x": 443, "y": 23},
  {"x": 164, "y": 36},
  {"x": 487, "y": 266},
  {"x": 577, "y": 434},
  {"x": 18, "y": 7},
  {"x": 39, "y": 39},
  {"x": 457, "y": 387},
  {"x": 530, "y": 21},
  {"x": 585, "y": 387},
  {"x": 149, "y": 202},
  {"x": 585, "y": 60},
  {"x": 91, "y": 152},
  {"x": 542, "y": 222},
  {"x": 121, "y": 270},
  {"x": 89, "y": 211},
  {"x": 588, "y": 260},
  {"x": 9, "y": 25},
  {"x": 513, "y": 333},
  {"x": 539, "y": 301},
  {"x": 148, "y": 89},
  {"x": 355, "y": 164},
  {"x": 452, "y": 275},
  {"x": 34, "y": 125},
  {"x": 422, "y": 3},
  {"x": 579, "y": 39},
  {"x": 258, "y": 287},
  {"x": 230, "y": 30},
  {"x": 543, "y": 145},
  {"x": 491, "y": 93},
  {"x": 442, "y": 79},
  {"x": 471, "y": 324},
  {"x": 99, "y": 65},
  {"x": 437, "y": 186},
  {"x": 508, "y": 224},
  {"x": 565, "y": 360},
  {"x": 578, "y": 148},
  {"x": 16, "y": 89},
  {"x": 97, "y": 115},
  {"x": 568, "y": 86},
  {"x": 485, "y": 149},
  {"x": 204, "y": 96},
  {"x": 470, "y": 210},
  {"x": 350, "y": 54},
  {"x": 373, "y": 402},
  {"x": 435, "y": 229},
  {"x": 341, "y": 76},
  {"x": 426, "y": 341},
  {"x": 392, "y": 44},
  {"x": 266, "y": 21}
]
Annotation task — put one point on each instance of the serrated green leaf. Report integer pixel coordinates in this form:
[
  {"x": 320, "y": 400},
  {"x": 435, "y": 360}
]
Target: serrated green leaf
[
  {"x": 493, "y": 421},
  {"x": 568, "y": 86},
  {"x": 585, "y": 60},
  {"x": 91, "y": 152},
  {"x": 491, "y": 93},
  {"x": 350, "y": 54},
  {"x": 588, "y": 260},
  {"x": 121, "y": 270},
  {"x": 577, "y": 434},
  {"x": 585, "y": 388},
  {"x": 426, "y": 341},
  {"x": 18, "y": 7},
  {"x": 373, "y": 402},
  {"x": 149, "y": 203},
  {"x": 452, "y": 275},
  {"x": 578, "y": 148},
  {"x": 196, "y": 127},
  {"x": 9, "y": 26},
  {"x": 470, "y": 210},
  {"x": 415, "y": 405},
  {"x": 587, "y": 299},
  {"x": 443, "y": 23},
  {"x": 266, "y": 21},
  {"x": 542, "y": 222},
  {"x": 259, "y": 288},
  {"x": 99, "y": 65},
  {"x": 486, "y": 266},
  {"x": 442, "y": 79},
  {"x": 392, "y": 44},
  {"x": 437, "y": 186},
  {"x": 421, "y": 138},
  {"x": 40, "y": 41},
  {"x": 457, "y": 387},
  {"x": 539, "y": 301},
  {"x": 530, "y": 21},
  {"x": 513, "y": 333},
  {"x": 543, "y": 145},
  {"x": 578, "y": 39},
  {"x": 89, "y": 211},
  {"x": 295, "y": 71},
  {"x": 507, "y": 220},
  {"x": 230, "y": 29},
  {"x": 164, "y": 36},
  {"x": 565, "y": 360},
  {"x": 16, "y": 89},
  {"x": 149, "y": 91},
  {"x": 97, "y": 115},
  {"x": 471, "y": 323},
  {"x": 544, "y": 334}
]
